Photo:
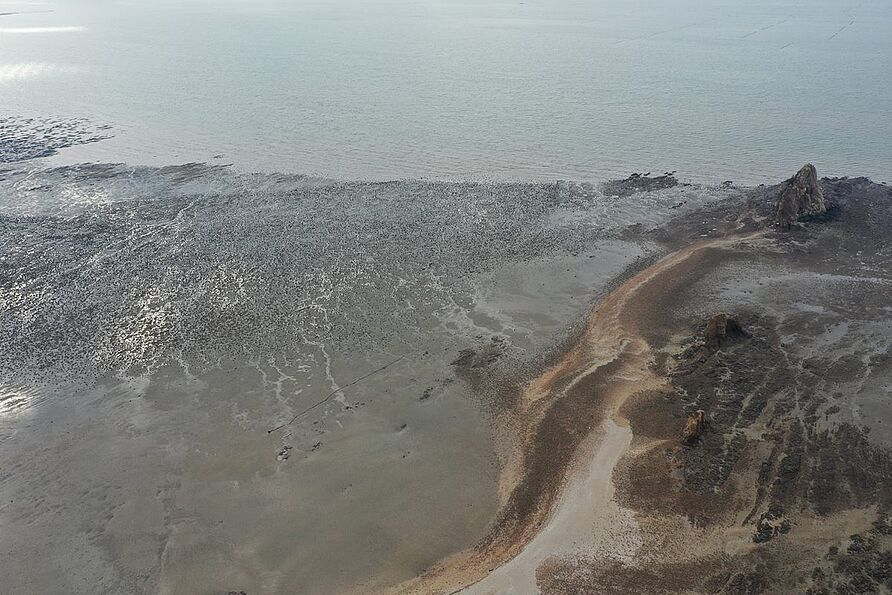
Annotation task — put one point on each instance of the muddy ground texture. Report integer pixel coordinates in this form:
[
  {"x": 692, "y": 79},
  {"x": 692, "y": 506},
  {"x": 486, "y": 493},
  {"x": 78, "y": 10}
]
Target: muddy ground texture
[
  {"x": 788, "y": 488},
  {"x": 760, "y": 460}
]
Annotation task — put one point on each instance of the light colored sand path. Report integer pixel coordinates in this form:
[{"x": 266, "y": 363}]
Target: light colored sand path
[{"x": 586, "y": 519}]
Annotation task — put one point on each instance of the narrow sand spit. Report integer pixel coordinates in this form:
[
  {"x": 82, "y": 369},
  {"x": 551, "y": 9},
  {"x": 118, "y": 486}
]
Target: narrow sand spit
[
  {"x": 557, "y": 489},
  {"x": 585, "y": 519}
]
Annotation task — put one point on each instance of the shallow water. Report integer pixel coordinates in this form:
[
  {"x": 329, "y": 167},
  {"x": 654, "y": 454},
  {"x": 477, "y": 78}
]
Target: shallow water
[{"x": 481, "y": 90}]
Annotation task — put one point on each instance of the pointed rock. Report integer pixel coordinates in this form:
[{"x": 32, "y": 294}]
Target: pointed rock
[
  {"x": 694, "y": 427},
  {"x": 801, "y": 195},
  {"x": 721, "y": 328}
]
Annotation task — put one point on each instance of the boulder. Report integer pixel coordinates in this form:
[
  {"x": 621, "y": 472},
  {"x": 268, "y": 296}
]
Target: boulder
[
  {"x": 721, "y": 328},
  {"x": 800, "y": 196},
  {"x": 694, "y": 427}
]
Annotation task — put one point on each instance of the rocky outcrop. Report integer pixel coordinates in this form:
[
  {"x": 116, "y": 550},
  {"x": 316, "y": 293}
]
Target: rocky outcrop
[
  {"x": 694, "y": 427},
  {"x": 721, "y": 328},
  {"x": 800, "y": 196},
  {"x": 639, "y": 183},
  {"x": 771, "y": 524}
]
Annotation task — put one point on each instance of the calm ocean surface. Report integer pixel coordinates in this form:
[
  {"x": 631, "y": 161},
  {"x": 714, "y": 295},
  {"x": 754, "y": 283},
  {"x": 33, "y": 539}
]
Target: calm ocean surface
[{"x": 531, "y": 90}]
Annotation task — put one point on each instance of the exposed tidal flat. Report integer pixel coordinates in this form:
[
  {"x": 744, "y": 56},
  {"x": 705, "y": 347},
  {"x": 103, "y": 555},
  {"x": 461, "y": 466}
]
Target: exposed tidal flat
[
  {"x": 222, "y": 382},
  {"x": 159, "y": 322}
]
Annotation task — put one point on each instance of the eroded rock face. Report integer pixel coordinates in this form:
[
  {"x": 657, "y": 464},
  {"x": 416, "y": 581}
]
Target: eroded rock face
[
  {"x": 800, "y": 196},
  {"x": 721, "y": 328},
  {"x": 694, "y": 427}
]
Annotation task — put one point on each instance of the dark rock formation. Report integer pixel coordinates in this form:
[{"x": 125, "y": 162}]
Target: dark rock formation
[
  {"x": 721, "y": 328},
  {"x": 800, "y": 196},
  {"x": 694, "y": 427},
  {"x": 771, "y": 524},
  {"x": 639, "y": 183}
]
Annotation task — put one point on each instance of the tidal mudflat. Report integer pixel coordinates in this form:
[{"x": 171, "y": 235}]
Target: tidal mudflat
[
  {"x": 158, "y": 323},
  {"x": 217, "y": 382}
]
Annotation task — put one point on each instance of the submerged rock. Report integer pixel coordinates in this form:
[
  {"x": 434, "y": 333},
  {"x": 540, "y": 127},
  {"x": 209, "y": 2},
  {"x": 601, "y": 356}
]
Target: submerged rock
[
  {"x": 694, "y": 427},
  {"x": 800, "y": 196},
  {"x": 722, "y": 327}
]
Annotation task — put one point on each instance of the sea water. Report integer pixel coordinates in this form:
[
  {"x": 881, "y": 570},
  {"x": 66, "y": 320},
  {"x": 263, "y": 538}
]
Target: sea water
[{"x": 520, "y": 90}]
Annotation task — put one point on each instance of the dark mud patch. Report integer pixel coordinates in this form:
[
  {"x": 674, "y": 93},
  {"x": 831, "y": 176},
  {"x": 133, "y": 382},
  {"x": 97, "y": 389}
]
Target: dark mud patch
[
  {"x": 31, "y": 138},
  {"x": 471, "y": 361}
]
